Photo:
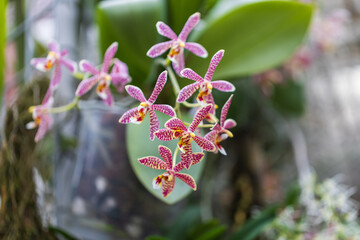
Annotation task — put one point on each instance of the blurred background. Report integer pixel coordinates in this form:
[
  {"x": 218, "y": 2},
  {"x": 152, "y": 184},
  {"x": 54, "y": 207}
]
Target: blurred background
[{"x": 297, "y": 121}]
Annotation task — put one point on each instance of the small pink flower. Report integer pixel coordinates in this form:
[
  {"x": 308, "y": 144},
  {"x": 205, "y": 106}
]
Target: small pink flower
[
  {"x": 175, "y": 128},
  {"x": 137, "y": 114},
  {"x": 119, "y": 76},
  {"x": 167, "y": 179},
  {"x": 57, "y": 59},
  {"x": 220, "y": 132},
  {"x": 41, "y": 118},
  {"x": 177, "y": 43},
  {"x": 205, "y": 84}
]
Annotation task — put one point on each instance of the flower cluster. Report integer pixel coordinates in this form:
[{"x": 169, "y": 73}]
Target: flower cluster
[{"x": 114, "y": 72}]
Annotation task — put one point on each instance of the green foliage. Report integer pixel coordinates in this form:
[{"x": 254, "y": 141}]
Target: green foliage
[
  {"x": 256, "y": 36},
  {"x": 139, "y": 145},
  {"x": 2, "y": 44},
  {"x": 289, "y": 98},
  {"x": 132, "y": 25}
]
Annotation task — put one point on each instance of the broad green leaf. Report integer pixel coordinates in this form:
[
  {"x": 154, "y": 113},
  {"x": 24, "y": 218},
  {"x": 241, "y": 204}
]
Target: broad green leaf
[
  {"x": 256, "y": 36},
  {"x": 210, "y": 230},
  {"x": 2, "y": 45},
  {"x": 132, "y": 25},
  {"x": 255, "y": 226},
  {"x": 139, "y": 145},
  {"x": 289, "y": 98}
]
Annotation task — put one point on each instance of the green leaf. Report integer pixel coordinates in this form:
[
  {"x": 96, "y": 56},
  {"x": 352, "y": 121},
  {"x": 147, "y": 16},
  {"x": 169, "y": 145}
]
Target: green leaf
[
  {"x": 2, "y": 45},
  {"x": 209, "y": 230},
  {"x": 289, "y": 98},
  {"x": 256, "y": 36},
  {"x": 156, "y": 238},
  {"x": 132, "y": 25},
  {"x": 139, "y": 145},
  {"x": 64, "y": 234},
  {"x": 255, "y": 226}
]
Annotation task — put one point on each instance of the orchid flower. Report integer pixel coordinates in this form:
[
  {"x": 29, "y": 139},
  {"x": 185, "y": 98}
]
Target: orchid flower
[
  {"x": 167, "y": 179},
  {"x": 177, "y": 43},
  {"x": 42, "y": 119},
  {"x": 137, "y": 114},
  {"x": 204, "y": 84},
  {"x": 57, "y": 59},
  {"x": 220, "y": 132},
  {"x": 119, "y": 76},
  {"x": 175, "y": 128}
]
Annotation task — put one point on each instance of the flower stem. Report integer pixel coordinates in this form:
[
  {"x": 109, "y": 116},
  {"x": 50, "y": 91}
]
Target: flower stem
[
  {"x": 172, "y": 76},
  {"x": 175, "y": 154},
  {"x": 191, "y": 105},
  {"x": 64, "y": 108},
  {"x": 79, "y": 75}
]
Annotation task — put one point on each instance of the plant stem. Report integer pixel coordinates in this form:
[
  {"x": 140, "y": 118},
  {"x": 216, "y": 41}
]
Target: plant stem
[
  {"x": 64, "y": 108},
  {"x": 172, "y": 77},
  {"x": 175, "y": 154},
  {"x": 191, "y": 105}
]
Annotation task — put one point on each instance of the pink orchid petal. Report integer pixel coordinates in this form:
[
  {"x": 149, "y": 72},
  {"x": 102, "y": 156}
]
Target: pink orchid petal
[
  {"x": 165, "y": 134},
  {"x": 153, "y": 162},
  {"x": 64, "y": 53},
  {"x": 229, "y": 123},
  {"x": 197, "y": 49},
  {"x": 175, "y": 124},
  {"x": 213, "y": 64},
  {"x": 69, "y": 64},
  {"x": 216, "y": 127},
  {"x": 178, "y": 167},
  {"x": 109, "y": 100},
  {"x": 154, "y": 124},
  {"x": 119, "y": 81},
  {"x": 189, "y": 25},
  {"x": 205, "y": 144},
  {"x": 166, "y": 109},
  {"x": 160, "y": 83},
  {"x": 128, "y": 115},
  {"x": 44, "y": 127},
  {"x": 39, "y": 64},
  {"x": 166, "y": 154},
  {"x": 165, "y": 30},
  {"x": 85, "y": 85},
  {"x": 199, "y": 116},
  {"x": 186, "y": 178},
  {"x": 197, "y": 157},
  {"x": 159, "y": 49},
  {"x": 168, "y": 187},
  {"x": 56, "y": 77},
  {"x": 209, "y": 99},
  {"x": 86, "y": 66},
  {"x": 186, "y": 155},
  {"x": 54, "y": 47},
  {"x": 179, "y": 63},
  {"x": 224, "y": 110},
  {"x": 223, "y": 86},
  {"x": 221, "y": 150},
  {"x": 212, "y": 135},
  {"x": 135, "y": 92},
  {"x": 47, "y": 97},
  {"x": 187, "y": 92},
  {"x": 109, "y": 55},
  {"x": 120, "y": 67},
  {"x": 191, "y": 74}
]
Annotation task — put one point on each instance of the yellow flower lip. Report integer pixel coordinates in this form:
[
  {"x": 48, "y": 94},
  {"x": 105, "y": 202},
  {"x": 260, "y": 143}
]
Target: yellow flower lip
[
  {"x": 31, "y": 109},
  {"x": 192, "y": 134},
  {"x": 229, "y": 133},
  {"x": 144, "y": 104},
  {"x": 182, "y": 44},
  {"x": 209, "y": 86}
]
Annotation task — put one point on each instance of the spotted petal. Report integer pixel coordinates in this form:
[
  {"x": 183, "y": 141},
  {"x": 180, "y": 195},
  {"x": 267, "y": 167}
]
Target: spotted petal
[
  {"x": 128, "y": 115},
  {"x": 54, "y": 47},
  {"x": 168, "y": 187},
  {"x": 224, "y": 110},
  {"x": 153, "y": 162},
  {"x": 109, "y": 55},
  {"x": 85, "y": 85},
  {"x": 166, "y": 109},
  {"x": 107, "y": 96},
  {"x": 175, "y": 124},
  {"x": 165, "y": 134},
  {"x": 213, "y": 64},
  {"x": 205, "y": 144},
  {"x": 229, "y": 123},
  {"x": 160, "y": 83},
  {"x": 178, "y": 63},
  {"x": 189, "y": 25},
  {"x": 199, "y": 116},
  {"x": 69, "y": 64},
  {"x": 186, "y": 155},
  {"x": 56, "y": 77},
  {"x": 86, "y": 66},
  {"x": 191, "y": 74},
  {"x": 187, "y": 92},
  {"x": 135, "y": 92},
  {"x": 165, "y": 30},
  {"x": 154, "y": 124},
  {"x": 166, "y": 154},
  {"x": 186, "y": 178},
  {"x": 223, "y": 86},
  {"x": 197, "y": 49},
  {"x": 46, "y": 121},
  {"x": 211, "y": 136},
  {"x": 159, "y": 49}
]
